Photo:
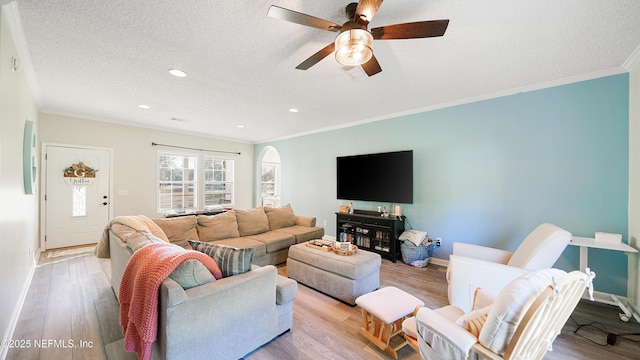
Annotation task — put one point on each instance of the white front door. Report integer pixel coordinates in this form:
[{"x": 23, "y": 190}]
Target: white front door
[{"x": 76, "y": 202}]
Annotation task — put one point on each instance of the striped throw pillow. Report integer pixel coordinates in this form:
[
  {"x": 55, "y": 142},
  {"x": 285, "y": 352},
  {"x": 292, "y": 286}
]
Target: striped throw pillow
[
  {"x": 230, "y": 260},
  {"x": 474, "y": 320}
]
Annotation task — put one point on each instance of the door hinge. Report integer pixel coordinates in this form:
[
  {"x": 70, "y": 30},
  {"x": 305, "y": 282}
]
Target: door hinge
[
  {"x": 45, "y": 238},
  {"x": 45, "y": 197}
]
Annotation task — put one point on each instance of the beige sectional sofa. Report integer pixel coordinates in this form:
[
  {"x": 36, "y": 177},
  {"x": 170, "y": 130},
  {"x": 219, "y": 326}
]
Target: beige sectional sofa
[
  {"x": 270, "y": 231},
  {"x": 229, "y": 317}
]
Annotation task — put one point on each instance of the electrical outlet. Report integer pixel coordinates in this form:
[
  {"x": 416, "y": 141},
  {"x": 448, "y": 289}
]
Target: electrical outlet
[
  {"x": 325, "y": 223},
  {"x": 438, "y": 241}
]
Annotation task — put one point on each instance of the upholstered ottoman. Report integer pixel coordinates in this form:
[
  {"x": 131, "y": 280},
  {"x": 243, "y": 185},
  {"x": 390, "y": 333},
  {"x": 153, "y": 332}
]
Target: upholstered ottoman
[{"x": 343, "y": 277}]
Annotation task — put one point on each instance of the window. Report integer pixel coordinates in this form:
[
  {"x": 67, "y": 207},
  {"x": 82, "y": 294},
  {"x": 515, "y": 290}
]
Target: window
[
  {"x": 270, "y": 177},
  {"x": 268, "y": 180},
  {"x": 79, "y": 206},
  {"x": 218, "y": 181},
  {"x": 182, "y": 186}
]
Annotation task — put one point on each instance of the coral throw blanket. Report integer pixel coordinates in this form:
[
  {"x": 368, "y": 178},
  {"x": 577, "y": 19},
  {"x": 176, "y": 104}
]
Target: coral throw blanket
[{"x": 139, "y": 291}]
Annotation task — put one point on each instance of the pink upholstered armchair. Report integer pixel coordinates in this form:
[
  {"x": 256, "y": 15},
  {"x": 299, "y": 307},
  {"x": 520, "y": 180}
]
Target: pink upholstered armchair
[{"x": 474, "y": 266}]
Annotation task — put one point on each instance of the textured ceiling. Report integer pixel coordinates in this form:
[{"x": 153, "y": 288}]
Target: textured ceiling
[{"x": 100, "y": 59}]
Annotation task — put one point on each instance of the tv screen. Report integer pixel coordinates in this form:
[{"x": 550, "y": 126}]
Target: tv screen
[{"x": 385, "y": 177}]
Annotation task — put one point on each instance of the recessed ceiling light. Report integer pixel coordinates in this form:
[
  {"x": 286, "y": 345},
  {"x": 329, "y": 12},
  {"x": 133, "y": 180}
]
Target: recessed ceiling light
[
  {"x": 293, "y": 110},
  {"x": 177, "y": 73},
  {"x": 143, "y": 106},
  {"x": 240, "y": 126}
]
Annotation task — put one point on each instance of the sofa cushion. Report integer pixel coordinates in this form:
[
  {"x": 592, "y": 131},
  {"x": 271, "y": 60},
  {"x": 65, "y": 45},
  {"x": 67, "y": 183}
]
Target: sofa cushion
[
  {"x": 274, "y": 241},
  {"x": 243, "y": 243},
  {"x": 280, "y": 217},
  {"x": 179, "y": 229},
  {"x": 306, "y": 220},
  {"x": 303, "y": 233},
  {"x": 232, "y": 261},
  {"x": 251, "y": 222},
  {"x": 191, "y": 273},
  {"x": 135, "y": 240},
  {"x": 217, "y": 227}
]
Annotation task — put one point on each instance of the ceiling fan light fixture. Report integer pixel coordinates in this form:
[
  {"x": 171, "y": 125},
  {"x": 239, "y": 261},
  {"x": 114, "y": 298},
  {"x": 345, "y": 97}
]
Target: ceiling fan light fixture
[{"x": 353, "y": 47}]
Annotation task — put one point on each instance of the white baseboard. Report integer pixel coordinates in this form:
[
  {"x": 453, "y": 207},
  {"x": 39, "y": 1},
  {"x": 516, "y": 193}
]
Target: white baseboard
[
  {"x": 18, "y": 309},
  {"x": 437, "y": 261}
]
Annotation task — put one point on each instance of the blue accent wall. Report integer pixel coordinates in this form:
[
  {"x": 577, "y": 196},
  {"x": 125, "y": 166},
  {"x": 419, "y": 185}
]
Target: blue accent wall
[{"x": 489, "y": 172}]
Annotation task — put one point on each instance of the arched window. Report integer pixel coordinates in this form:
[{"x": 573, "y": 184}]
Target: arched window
[{"x": 270, "y": 177}]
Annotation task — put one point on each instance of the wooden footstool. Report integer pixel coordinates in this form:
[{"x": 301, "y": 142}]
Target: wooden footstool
[{"x": 382, "y": 314}]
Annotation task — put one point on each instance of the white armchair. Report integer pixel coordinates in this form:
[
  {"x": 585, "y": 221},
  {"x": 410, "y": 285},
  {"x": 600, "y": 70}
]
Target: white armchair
[
  {"x": 521, "y": 322},
  {"x": 474, "y": 266}
]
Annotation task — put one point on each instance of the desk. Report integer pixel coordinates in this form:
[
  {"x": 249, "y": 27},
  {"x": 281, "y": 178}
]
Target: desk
[{"x": 586, "y": 243}]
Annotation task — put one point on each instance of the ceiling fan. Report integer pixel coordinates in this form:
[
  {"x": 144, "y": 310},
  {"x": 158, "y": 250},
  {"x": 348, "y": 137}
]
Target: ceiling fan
[{"x": 353, "y": 46}]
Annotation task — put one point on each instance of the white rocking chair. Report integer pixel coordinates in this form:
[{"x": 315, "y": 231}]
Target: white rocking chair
[{"x": 521, "y": 323}]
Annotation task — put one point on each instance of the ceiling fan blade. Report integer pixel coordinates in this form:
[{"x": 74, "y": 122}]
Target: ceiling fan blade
[
  {"x": 302, "y": 19},
  {"x": 372, "y": 66},
  {"x": 315, "y": 58},
  {"x": 367, "y": 9},
  {"x": 413, "y": 30}
]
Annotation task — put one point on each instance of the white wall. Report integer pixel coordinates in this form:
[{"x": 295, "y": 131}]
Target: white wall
[
  {"x": 18, "y": 212},
  {"x": 134, "y": 158},
  {"x": 634, "y": 183}
]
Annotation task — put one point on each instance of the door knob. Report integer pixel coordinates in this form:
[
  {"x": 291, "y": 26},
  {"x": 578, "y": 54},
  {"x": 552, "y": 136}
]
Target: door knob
[
  {"x": 104, "y": 197},
  {"x": 105, "y": 203}
]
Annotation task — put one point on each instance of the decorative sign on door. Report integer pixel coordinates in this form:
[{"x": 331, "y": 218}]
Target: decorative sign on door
[{"x": 80, "y": 174}]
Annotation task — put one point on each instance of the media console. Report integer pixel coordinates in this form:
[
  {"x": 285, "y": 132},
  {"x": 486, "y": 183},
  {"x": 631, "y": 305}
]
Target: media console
[{"x": 372, "y": 232}]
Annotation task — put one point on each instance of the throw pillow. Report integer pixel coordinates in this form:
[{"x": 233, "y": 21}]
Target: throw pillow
[
  {"x": 280, "y": 217},
  {"x": 178, "y": 229},
  {"x": 474, "y": 320},
  {"x": 511, "y": 304},
  {"x": 482, "y": 298},
  {"x": 217, "y": 227},
  {"x": 191, "y": 273},
  {"x": 230, "y": 260},
  {"x": 252, "y": 222}
]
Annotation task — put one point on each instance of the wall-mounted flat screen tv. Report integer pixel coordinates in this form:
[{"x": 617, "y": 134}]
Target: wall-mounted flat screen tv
[{"x": 384, "y": 177}]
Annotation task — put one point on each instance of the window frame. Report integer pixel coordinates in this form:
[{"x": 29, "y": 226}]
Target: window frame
[
  {"x": 199, "y": 184},
  {"x": 226, "y": 181},
  {"x": 274, "y": 199}
]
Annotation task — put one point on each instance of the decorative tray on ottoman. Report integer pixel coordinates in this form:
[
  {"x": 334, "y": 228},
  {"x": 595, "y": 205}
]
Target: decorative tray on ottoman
[
  {"x": 322, "y": 245},
  {"x": 344, "y": 248}
]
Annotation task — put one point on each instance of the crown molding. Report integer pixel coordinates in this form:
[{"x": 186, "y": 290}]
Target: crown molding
[
  {"x": 514, "y": 91},
  {"x": 633, "y": 62}
]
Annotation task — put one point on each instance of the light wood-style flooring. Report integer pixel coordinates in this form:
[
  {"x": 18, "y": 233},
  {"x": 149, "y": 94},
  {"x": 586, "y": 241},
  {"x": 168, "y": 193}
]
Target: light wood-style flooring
[{"x": 71, "y": 313}]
